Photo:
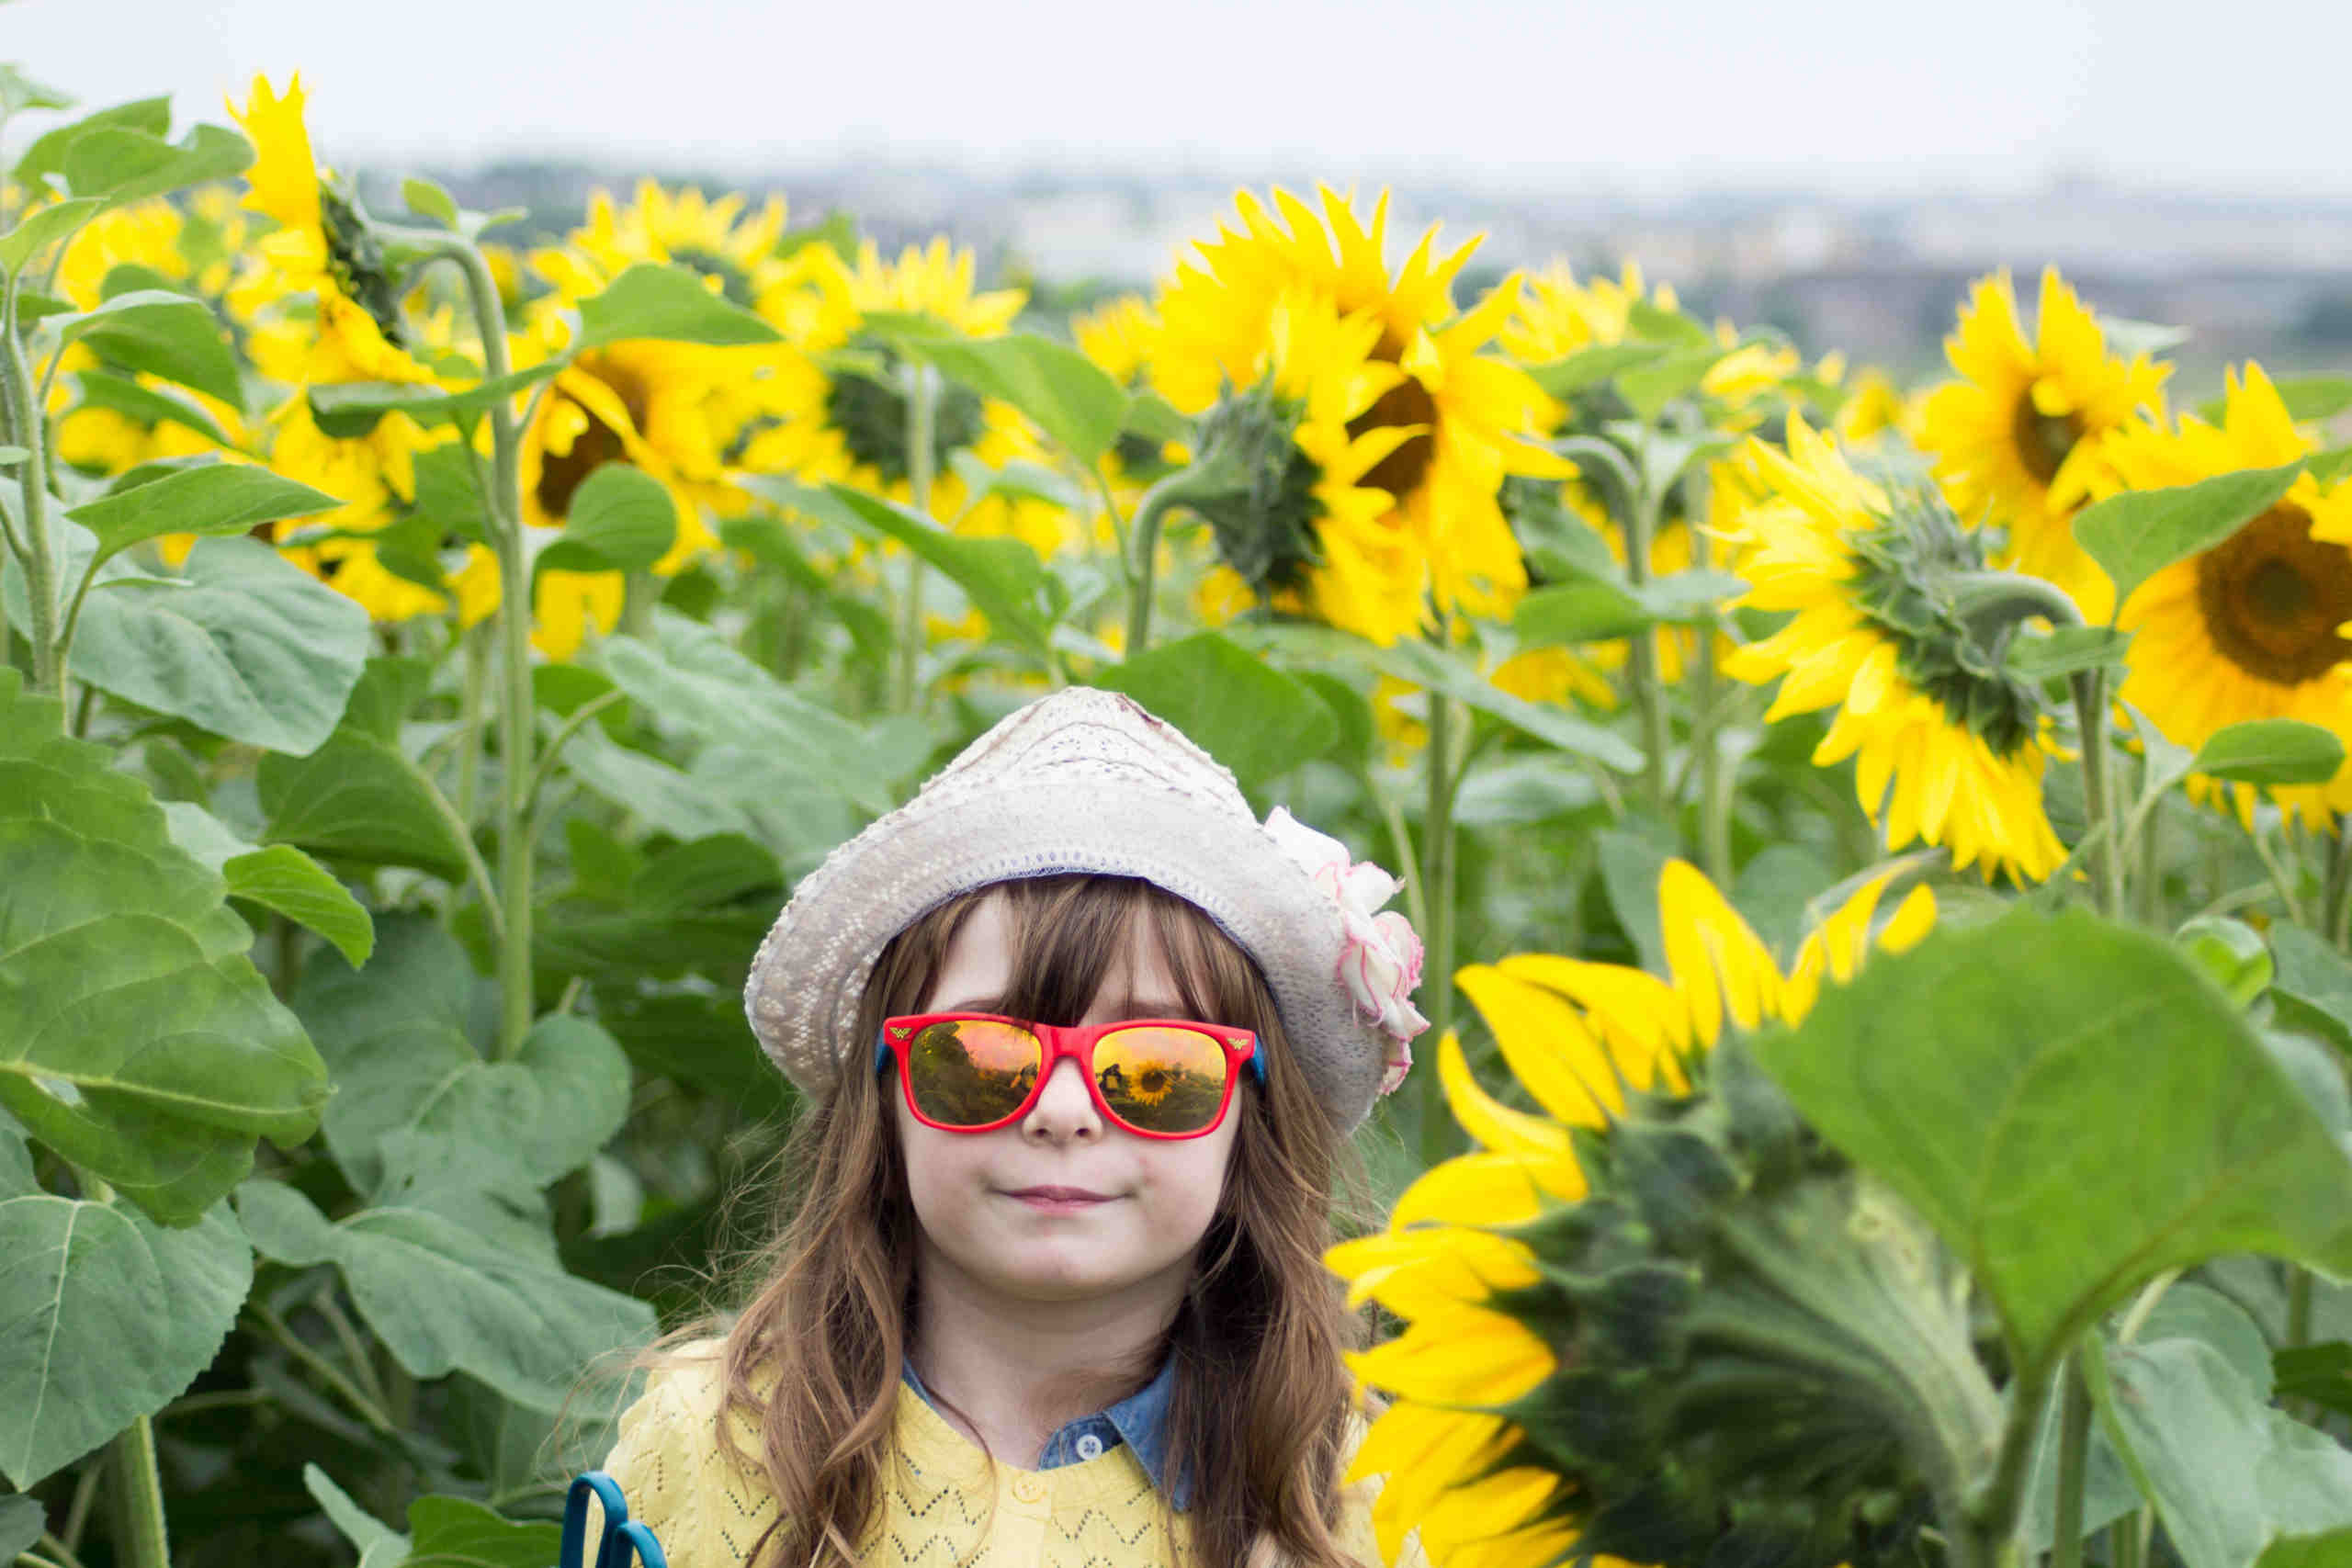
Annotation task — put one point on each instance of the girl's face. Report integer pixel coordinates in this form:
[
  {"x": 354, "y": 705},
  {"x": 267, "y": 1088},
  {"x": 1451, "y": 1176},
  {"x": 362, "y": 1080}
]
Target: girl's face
[{"x": 1062, "y": 1205}]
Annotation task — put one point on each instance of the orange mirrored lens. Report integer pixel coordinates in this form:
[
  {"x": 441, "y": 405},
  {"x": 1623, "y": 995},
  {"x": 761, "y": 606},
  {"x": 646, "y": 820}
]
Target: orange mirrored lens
[
  {"x": 1161, "y": 1080},
  {"x": 968, "y": 1073}
]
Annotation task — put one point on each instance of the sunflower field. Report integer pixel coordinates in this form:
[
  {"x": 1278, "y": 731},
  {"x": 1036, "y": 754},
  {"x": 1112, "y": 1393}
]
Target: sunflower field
[{"x": 1882, "y": 850}]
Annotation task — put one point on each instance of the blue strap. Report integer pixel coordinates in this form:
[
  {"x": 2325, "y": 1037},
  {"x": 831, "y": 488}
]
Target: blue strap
[{"x": 633, "y": 1539}]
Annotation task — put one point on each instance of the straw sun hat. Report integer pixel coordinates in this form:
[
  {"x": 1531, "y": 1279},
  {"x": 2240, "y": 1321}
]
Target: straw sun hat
[{"x": 1086, "y": 781}]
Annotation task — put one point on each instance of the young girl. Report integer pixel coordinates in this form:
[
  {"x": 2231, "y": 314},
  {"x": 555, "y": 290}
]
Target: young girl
[{"x": 1082, "y": 1043}]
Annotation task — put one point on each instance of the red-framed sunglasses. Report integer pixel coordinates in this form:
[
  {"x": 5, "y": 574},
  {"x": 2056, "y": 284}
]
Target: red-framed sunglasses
[{"x": 1157, "y": 1078}]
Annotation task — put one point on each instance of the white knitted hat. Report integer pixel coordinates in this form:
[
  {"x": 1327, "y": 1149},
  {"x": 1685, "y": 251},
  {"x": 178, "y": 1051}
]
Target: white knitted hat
[{"x": 1086, "y": 781}]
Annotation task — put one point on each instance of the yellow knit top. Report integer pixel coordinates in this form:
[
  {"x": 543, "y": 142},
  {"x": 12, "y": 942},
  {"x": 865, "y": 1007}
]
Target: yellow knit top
[{"x": 944, "y": 1506}]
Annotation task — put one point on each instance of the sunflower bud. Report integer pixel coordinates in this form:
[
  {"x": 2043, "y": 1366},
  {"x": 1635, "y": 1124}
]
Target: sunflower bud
[
  {"x": 1919, "y": 577},
  {"x": 1762, "y": 1356},
  {"x": 1257, "y": 489},
  {"x": 356, "y": 259}
]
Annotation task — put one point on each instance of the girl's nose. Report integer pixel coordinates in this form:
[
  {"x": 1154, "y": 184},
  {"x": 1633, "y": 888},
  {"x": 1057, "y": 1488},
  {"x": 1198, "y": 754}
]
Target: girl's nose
[{"x": 1065, "y": 1111}]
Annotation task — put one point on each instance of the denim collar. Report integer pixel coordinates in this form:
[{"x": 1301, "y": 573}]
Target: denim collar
[{"x": 1140, "y": 1421}]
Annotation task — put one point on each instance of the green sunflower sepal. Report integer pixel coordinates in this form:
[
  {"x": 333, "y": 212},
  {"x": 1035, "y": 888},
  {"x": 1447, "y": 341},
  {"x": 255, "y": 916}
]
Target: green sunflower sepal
[{"x": 1765, "y": 1357}]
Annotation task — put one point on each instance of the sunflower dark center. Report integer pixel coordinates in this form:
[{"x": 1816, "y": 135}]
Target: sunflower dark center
[
  {"x": 871, "y": 414},
  {"x": 2043, "y": 440},
  {"x": 1406, "y": 402},
  {"x": 561, "y": 472},
  {"x": 2272, "y": 597}
]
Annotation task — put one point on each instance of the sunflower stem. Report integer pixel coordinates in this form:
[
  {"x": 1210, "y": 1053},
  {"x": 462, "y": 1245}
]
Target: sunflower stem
[
  {"x": 2339, "y": 884},
  {"x": 919, "y": 396},
  {"x": 1649, "y": 697},
  {"x": 517, "y": 707},
  {"x": 2074, "y": 1454},
  {"x": 1716, "y": 798},
  {"x": 1437, "y": 896},
  {"x": 2099, "y": 801},
  {"x": 25, "y": 425},
  {"x": 141, "y": 1541},
  {"x": 477, "y": 680}
]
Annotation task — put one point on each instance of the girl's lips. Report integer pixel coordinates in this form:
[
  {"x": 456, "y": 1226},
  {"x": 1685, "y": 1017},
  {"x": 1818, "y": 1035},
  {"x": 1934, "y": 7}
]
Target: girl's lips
[{"x": 1058, "y": 1197}]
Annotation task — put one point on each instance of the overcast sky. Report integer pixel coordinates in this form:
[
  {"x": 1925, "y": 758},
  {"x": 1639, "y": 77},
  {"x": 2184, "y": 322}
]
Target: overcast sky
[{"x": 1875, "y": 96}]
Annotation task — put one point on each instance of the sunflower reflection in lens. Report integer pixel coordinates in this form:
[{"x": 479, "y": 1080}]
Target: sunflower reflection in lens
[
  {"x": 969, "y": 1071},
  {"x": 1161, "y": 1080}
]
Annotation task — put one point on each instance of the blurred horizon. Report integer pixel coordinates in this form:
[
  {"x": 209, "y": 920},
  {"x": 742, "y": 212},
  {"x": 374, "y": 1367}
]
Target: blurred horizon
[{"x": 1842, "y": 175}]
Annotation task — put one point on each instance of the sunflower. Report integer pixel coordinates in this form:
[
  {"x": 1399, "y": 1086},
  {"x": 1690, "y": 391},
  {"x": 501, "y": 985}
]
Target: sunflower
[
  {"x": 1117, "y": 337},
  {"x": 321, "y": 308},
  {"x": 1580, "y": 1037},
  {"x": 1456, "y": 411},
  {"x": 841, "y": 415},
  {"x": 678, "y": 411},
  {"x": 1875, "y": 635},
  {"x": 2012, "y": 437},
  {"x": 1299, "y": 527},
  {"x": 1558, "y": 316},
  {"x": 144, "y": 237},
  {"x": 2254, "y": 626},
  {"x": 684, "y": 229}
]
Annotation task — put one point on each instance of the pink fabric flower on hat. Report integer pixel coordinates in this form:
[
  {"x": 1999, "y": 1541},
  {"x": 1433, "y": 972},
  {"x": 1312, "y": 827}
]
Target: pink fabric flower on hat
[{"x": 1380, "y": 954}]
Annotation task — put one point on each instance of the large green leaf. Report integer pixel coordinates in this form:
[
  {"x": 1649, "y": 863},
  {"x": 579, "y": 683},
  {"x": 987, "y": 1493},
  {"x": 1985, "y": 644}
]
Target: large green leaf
[
  {"x": 1003, "y": 578},
  {"x": 104, "y": 1317},
  {"x": 2271, "y": 752},
  {"x": 22, "y": 1519},
  {"x": 1242, "y": 711},
  {"x": 220, "y": 499},
  {"x": 147, "y": 405},
  {"x": 653, "y": 301},
  {"x": 2075, "y": 1108},
  {"x": 1440, "y": 670},
  {"x": 442, "y": 1300},
  {"x": 139, "y": 1042},
  {"x": 2137, "y": 534},
  {"x": 379, "y": 1545},
  {"x": 360, "y": 799},
  {"x": 2333, "y": 1550},
  {"x": 2227, "y": 1473},
  {"x": 2311, "y": 984},
  {"x": 46, "y": 156},
  {"x": 346, "y": 410},
  {"x": 45, "y": 227},
  {"x": 621, "y": 519},
  {"x": 164, "y": 333},
  {"x": 454, "y": 1532},
  {"x": 125, "y": 164},
  {"x": 665, "y": 798},
  {"x": 1070, "y": 397},
  {"x": 691, "y": 677},
  {"x": 394, "y": 1034},
  {"x": 242, "y": 643},
  {"x": 280, "y": 877}
]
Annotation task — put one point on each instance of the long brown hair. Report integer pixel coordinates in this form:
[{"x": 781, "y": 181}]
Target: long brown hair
[{"x": 1260, "y": 1412}]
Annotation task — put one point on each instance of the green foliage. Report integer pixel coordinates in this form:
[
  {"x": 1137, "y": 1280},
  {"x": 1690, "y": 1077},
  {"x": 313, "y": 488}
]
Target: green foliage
[
  {"x": 211, "y": 498},
  {"x": 443, "y": 1300},
  {"x": 164, "y": 333},
  {"x": 2137, "y": 534},
  {"x": 2075, "y": 1108},
  {"x": 143, "y": 1046},
  {"x": 621, "y": 519},
  {"x": 666, "y": 302},
  {"x": 241, "y": 642},
  {"x": 1003, "y": 578},
  {"x": 104, "y": 1317},
  {"x": 2271, "y": 752},
  {"x": 1247, "y": 714},
  {"x": 1068, "y": 397}
]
